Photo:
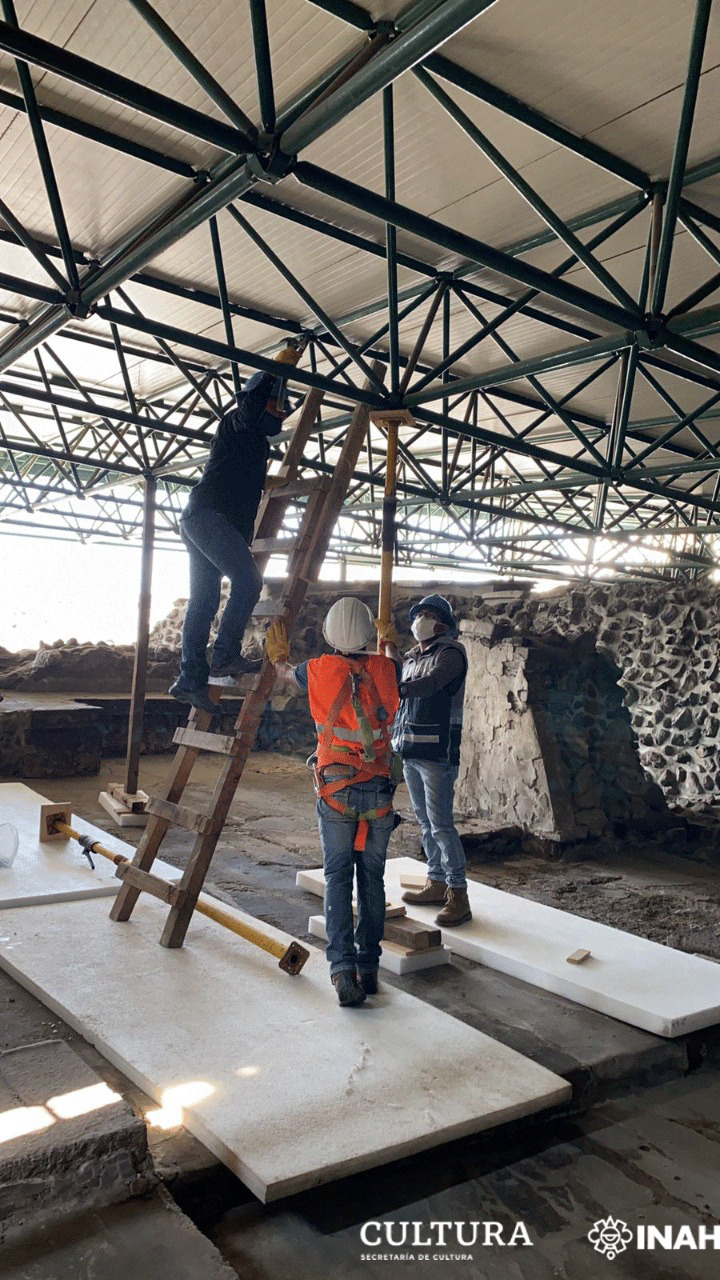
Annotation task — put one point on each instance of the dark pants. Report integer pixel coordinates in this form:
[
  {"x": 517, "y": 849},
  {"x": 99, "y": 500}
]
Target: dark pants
[{"x": 217, "y": 550}]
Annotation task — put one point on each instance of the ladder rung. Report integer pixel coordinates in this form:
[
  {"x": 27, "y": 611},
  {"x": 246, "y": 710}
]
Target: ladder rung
[
  {"x": 274, "y": 546},
  {"x": 292, "y": 490},
  {"x": 269, "y": 609},
  {"x": 179, "y": 815},
  {"x": 224, "y": 743},
  {"x": 159, "y": 888}
]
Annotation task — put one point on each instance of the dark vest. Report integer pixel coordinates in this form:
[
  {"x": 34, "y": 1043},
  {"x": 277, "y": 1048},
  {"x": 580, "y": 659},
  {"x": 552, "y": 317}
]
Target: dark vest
[{"x": 431, "y": 728}]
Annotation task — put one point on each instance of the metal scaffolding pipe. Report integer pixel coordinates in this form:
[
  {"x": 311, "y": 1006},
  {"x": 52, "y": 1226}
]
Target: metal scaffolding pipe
[{"x": 139, "y": 681}]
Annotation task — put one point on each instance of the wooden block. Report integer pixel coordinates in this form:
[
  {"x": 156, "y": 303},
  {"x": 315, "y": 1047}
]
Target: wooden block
[
  {"x": 224, "y": 743},
  {"x": 290, "y": 489},
  {"x": 408, "y": 881},
  {"x": 395, "y": 948},
  {"x": 382, "y": 417},
  {"x": 270, "y": 609},
  {"x": 412, "y": 934},
  {"x": 578, "y": 957},
  {"x": 149, "y": 883},
  {"x": 132, "y": 802},
  {"x": 393, "y": 911},
  {"x": 274, "y": 546},
  {"x": 48, "y": 811},
  {"x": 120, "y": 814}
]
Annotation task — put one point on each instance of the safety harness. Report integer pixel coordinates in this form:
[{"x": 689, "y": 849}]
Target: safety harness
[{"x": 354, "y": 755}]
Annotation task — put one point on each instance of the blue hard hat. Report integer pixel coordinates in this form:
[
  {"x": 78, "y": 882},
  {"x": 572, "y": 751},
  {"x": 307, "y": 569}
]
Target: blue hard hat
[{"x": 439, "y": 605}]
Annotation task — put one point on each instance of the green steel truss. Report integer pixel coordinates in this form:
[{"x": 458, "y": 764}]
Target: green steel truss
[{"x": 567, "y": 494}]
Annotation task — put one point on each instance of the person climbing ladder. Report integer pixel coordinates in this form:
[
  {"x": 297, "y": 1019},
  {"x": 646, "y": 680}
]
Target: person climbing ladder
[{"x": 217, "y": 528}]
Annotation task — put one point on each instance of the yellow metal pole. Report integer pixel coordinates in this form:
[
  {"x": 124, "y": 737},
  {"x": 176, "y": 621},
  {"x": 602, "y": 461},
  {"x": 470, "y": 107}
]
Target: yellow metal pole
[
  {"x": 388, "y": 526},
  {"x": 291, "y": 958}
]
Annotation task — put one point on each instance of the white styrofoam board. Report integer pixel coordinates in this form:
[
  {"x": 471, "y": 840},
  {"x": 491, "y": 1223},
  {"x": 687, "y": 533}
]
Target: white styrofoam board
[
  {"x": 664, "y": 991},
  {"x": 56, "y": 870},
  {"x": 298, "y": 1091},
  {"x": 393, "y": 961},
  {"x": 121, "y": 815}
]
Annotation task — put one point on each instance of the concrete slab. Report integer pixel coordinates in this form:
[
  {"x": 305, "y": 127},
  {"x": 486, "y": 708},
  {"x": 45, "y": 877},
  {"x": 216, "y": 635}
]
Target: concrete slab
[
  {"x": 286, "y": 1088},
  {"x": 618, "y": 1161},
  {"x": 56, "y": 871},
  {"x": 393, "y": 959},
  {"x": 667, "y": 992},
  {"x": 121, "y": 816}
]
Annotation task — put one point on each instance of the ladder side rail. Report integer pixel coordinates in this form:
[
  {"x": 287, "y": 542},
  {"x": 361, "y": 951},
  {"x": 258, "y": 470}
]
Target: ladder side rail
[
  {"x": 246, "y": 727},
  {"x": 156, "y": 829}
]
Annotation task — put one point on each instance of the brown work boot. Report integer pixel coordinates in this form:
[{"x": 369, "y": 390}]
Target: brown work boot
[
  {"x": 432, "y": 891},
  {"x": 456, "y": 909}
]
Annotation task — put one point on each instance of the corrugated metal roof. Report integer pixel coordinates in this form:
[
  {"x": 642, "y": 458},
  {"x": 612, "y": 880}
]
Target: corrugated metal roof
[{"x": 607, "y": 72}]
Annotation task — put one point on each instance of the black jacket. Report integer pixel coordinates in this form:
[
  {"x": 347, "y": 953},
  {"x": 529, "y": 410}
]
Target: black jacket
[
  {"x": 234, "y": 476},
  {"x": 428, "y": 725}
]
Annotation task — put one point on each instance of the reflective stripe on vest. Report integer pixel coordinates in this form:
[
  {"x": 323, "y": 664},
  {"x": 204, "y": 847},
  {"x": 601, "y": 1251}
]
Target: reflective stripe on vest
[
  {"x": 350, "y": 735},
  {"x": 343, "y": 734}
]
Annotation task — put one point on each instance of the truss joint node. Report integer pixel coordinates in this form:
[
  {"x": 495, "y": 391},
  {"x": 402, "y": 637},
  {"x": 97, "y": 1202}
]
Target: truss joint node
[
  {"x": 653, "y": 335},
  {"x": 76, "y": 304},
  {"x": 271, "y": 166}
]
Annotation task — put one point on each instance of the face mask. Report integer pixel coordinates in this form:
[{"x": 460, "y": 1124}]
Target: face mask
[{"x": 423, "y": 628}]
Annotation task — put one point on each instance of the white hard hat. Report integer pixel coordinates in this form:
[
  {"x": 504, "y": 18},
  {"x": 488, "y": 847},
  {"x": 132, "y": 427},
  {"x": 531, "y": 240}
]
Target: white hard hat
[{"x": 349, "y": 625}]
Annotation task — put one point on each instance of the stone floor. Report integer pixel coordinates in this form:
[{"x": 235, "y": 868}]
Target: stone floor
[
  {"x": 646, "y": 1152},
  {"x": 271, "y": 832},
  {"x": 648, "y": 1159},
  {"x": 143, "y": 1239}
]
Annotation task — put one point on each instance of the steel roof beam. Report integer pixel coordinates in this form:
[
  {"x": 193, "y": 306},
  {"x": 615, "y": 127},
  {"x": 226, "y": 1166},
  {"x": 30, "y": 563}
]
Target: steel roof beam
[
  {"x": 195, "y": 68},
  {"x": 37, "y": 52},
  {"x": 357, "y": 17},
  {"x": 414, "y": 44},
  {"x": 679, "y": 160},
  {"x": 466, "y": 246}
]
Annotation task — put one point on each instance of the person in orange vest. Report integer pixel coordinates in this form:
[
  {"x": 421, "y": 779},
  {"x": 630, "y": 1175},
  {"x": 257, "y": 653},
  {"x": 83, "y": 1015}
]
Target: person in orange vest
[{"x": 353, "y": 697}]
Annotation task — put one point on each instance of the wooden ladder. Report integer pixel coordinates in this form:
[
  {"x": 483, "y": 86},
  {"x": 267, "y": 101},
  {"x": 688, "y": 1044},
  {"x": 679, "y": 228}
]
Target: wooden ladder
[{"x": 324, "y": 498}]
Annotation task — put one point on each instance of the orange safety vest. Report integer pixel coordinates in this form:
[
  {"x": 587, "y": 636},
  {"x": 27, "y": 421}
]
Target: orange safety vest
[{"x": 353, "y": 702}]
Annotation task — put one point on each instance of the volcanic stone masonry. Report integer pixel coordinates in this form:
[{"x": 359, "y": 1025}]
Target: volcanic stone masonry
[
  {"x": 662, "y": 637},
  {"x": 550, "y": 749}
]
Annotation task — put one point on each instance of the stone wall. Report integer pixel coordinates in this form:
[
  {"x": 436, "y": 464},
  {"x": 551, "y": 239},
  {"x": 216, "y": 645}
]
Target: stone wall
[
  {"x": 664, "y": 637},
  {"x": 548, "y": 747},
  {"x": 287, "y": 725},
  {"x": 65, "y": 666}
]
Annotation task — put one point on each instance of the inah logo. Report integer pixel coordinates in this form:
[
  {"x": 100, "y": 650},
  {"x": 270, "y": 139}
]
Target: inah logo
[{"x": 610, "y": 1236}]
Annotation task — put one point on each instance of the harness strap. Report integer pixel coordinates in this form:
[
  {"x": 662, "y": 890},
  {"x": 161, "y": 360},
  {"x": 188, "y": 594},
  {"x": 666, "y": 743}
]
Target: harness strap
[
  {"x": 363, "y": 818},
  {"x": 337, "y": 706},
  {"x": 327, "y": 790}
]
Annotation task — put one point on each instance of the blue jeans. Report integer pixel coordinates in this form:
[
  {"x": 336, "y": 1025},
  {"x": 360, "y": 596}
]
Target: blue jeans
[
  {"x": 431, "y": 785},
  {"x": 349, "y": 948},
  {"x": 216, "y": 550}
]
